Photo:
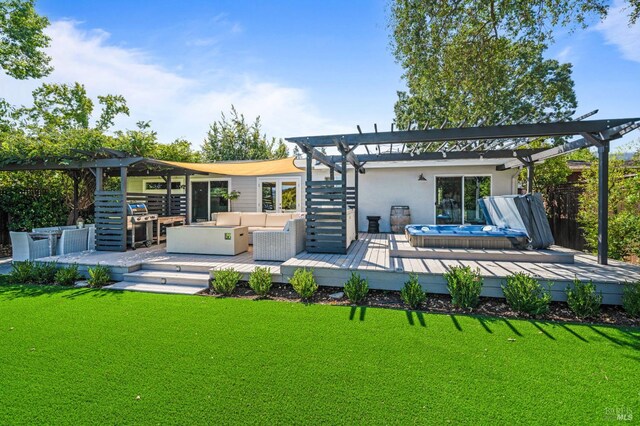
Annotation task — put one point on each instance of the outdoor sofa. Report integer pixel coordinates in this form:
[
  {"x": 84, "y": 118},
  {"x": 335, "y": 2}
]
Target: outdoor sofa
[
  {"x": 253, "y": 221},
  {"x": 282, "y": 244}
]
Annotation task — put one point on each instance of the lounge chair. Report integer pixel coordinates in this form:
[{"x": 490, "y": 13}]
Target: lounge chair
[
  {"x": 73, "y": 240},
  {"x": 26, "y": 248},
  {"x": 280, "y": 245}
]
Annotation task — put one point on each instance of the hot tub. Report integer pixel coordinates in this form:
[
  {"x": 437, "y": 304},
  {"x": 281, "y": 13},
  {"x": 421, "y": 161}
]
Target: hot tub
[{"x": 466, "y": 236}]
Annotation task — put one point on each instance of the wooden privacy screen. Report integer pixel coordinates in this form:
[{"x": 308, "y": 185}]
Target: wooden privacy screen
[
  {"x": 111, "y": 216},
  {"x": 327, "y": 202}
]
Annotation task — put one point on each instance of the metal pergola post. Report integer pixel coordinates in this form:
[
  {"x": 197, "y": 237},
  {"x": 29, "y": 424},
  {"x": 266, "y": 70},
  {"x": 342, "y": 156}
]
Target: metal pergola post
[
  {"x": 123, "y": 192},
  {"x": 343, "y": 177},
  {"x": 168, "y": 208},
  {"x": 76, "y": 196},
  {"x": 603, "y": 203},
  {"x": 187, "y": 184},
  {"x": 357, "y": 210},
  {"x": 530, "y": 175}
]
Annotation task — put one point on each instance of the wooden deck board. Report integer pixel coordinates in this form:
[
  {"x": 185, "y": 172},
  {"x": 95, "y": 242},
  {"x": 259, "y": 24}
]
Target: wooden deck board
[{"x": 369, "y": 254}]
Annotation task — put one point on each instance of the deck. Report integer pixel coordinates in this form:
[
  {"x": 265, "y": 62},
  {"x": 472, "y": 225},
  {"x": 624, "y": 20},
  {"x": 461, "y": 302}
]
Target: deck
[{"x": 371, "y": 256}]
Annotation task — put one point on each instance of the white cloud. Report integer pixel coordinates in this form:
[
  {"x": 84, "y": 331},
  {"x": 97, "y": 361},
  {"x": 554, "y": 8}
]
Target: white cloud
[
  {"x": 565, "y": 55},
  {"x": 616, "y": 31},
  {"x": 176, "y": 105}
]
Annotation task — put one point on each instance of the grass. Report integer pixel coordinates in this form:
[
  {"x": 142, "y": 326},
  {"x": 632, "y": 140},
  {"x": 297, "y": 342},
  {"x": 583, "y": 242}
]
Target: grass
[{"x": 78, "y": 356}]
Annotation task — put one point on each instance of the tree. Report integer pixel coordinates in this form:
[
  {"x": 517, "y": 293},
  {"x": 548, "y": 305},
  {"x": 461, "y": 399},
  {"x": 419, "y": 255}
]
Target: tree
[
  {"x": 624, "y": 204},
  {"x": 22, "y": 40},
  {"x": 475, "y": 61},
  {"x": 60, "y": 107},
  {"x": 235, "y": 139}
]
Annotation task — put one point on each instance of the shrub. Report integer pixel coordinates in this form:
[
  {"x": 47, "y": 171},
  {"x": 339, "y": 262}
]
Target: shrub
[
  {"x": 357, "y": 288},
  {"x": 583, "y": 299},
  {"x": 525, "y": 294},
  {"x": 260, "y": 281},
  {"x": 464, "y": 285},
  {"x": 303, "y": 283},
  {"x": 99, "y": 276},
  {"x": 67, "y": 276},
  {"x": 412, "y": 293},
  {"x": 631, "y": 298},
  {"x": 225, "y": 280},
  {"x": 29, "y": 272},
  {"x": 22, "y": 272}
]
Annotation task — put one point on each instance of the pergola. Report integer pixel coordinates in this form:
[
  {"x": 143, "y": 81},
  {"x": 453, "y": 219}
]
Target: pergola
[
  {"x": 328, "y": 201},
  {"x": 111, "y": 205}
]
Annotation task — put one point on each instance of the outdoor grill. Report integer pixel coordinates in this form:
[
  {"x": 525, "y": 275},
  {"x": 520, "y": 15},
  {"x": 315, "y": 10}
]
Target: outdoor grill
[{"x": 139, "y": 225}]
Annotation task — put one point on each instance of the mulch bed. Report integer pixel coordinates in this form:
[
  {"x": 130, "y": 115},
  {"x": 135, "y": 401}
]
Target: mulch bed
[{"x": 438, "y": 303}]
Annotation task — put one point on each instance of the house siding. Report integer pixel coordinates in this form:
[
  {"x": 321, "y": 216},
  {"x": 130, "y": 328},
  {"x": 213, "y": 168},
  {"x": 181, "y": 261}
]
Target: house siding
[{"x": 379, "y": 189}]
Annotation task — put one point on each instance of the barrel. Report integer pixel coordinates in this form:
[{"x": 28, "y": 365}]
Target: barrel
[{"x": 400, "y": 217}]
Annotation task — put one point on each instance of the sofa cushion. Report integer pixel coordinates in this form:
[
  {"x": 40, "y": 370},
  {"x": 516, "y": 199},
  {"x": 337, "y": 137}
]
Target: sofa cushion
[
  {"x": 253, "y": 219},
  {"x": 261, "y": 228},
  {"x": 277, "y": 220},
  {"x": 228, "y": 219}
]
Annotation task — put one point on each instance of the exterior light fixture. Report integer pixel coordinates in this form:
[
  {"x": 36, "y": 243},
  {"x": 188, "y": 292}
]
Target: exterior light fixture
[{"x": 422, "y": 178}]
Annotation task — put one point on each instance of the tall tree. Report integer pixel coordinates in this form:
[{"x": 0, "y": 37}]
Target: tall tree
[
  {"x": 475, "y": 61},
  {"x": 22, "y": 40},
  {"x": 234, "y": 139},
  {"x": 60, "y": 107}
]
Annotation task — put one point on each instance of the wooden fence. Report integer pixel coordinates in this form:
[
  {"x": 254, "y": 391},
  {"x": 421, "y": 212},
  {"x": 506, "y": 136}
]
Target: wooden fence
[
  {"x": 562, "y": 210},
  {"x": 157, "y": 203}
]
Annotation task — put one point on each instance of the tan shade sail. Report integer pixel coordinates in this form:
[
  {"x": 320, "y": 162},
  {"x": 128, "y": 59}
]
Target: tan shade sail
[{"x": 241, "y": 168}]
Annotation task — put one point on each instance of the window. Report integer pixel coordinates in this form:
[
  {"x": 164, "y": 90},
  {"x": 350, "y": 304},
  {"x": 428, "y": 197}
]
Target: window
[
  {"x": 457, "y": 199},
  {"x": 208, "y": 197},
  {"x": 161, "y": 186},
  {"x": 217, "y": 190}
]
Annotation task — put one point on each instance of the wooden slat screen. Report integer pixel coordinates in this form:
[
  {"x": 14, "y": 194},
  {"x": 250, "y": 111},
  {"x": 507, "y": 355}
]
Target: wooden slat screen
[
  {"x": 326, "y": 216},
  {"x": 157, "y": 203},
  {"x": 110, "y": 218}
]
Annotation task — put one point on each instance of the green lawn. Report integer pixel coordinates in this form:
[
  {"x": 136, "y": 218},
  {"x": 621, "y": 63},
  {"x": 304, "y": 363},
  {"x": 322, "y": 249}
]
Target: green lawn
[{"x": 82, "y": 356}]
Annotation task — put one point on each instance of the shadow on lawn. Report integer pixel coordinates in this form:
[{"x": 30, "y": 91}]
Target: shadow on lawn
[
  {"x": 633, "y": 342},
  {"x": 354, "y": 309},
  {"x": 12, "y": 292},
  {"x": 419, "y": 315}
]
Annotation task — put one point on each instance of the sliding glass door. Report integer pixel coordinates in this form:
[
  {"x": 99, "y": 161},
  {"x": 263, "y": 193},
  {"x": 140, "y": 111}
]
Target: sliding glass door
[
  {"x": 279, "y": 195},
  {"x": 457, "y": 199},
  {"x": 208, "y": 197}
]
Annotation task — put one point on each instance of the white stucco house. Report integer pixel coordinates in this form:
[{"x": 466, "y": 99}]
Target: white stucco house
[{"x": 433, "y": 190}]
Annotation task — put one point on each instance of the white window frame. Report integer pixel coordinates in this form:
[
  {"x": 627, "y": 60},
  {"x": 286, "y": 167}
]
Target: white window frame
[
  {"x": 435, "y": 189},
  {"x": 278, "y": 181}
]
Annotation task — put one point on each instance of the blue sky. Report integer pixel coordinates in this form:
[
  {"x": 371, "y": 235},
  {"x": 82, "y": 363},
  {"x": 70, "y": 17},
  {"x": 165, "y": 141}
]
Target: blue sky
[{"x": 306, "y": 67}]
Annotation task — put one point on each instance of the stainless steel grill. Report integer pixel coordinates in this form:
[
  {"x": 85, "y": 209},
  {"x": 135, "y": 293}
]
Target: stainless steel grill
[{"x": 139, "y": 225}]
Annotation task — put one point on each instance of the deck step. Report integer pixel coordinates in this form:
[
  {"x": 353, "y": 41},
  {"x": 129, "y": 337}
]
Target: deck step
[
  {"x": 156, "y": 288},
  {"x": 168, "y": 278},
  {"x": 171, "y": 267}
]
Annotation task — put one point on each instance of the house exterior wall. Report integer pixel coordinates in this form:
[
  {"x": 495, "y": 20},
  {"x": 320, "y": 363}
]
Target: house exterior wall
[
  {"x": 383, "y": 187},
  {"x": 246, "y": 185},
  {"x": 379, "y": 189}
]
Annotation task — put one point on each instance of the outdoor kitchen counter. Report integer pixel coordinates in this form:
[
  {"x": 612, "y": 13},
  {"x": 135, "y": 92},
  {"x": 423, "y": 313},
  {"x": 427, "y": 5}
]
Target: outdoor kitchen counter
[
  {"x": 167, "y": 221},
  {"x": 206, "y": 239}
]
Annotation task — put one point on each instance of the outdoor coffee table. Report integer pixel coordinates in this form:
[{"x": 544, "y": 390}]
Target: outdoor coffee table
[
  {"x": 52, "y": 236},
  {"x": 207, "y": 239}
]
